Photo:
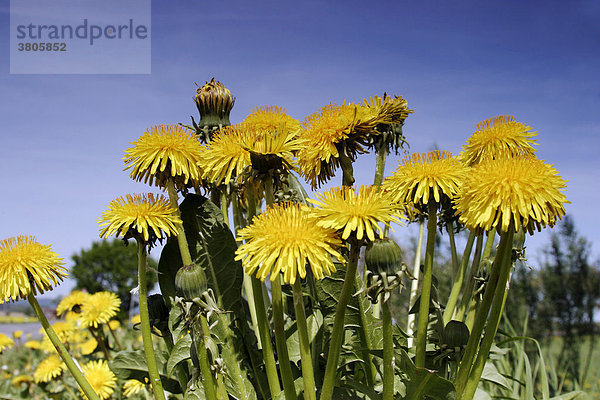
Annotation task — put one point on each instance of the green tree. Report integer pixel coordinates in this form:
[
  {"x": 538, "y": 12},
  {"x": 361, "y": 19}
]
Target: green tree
[
  {"x": 111, "y": 266},
  {"x": 570, "y": 293}
]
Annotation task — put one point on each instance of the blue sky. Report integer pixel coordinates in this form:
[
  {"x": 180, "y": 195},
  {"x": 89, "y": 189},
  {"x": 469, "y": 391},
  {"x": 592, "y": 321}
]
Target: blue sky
[{"x": 456, "y": 62}]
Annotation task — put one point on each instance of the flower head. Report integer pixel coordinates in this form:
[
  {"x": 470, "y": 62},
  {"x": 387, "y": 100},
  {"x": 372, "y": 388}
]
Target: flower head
[
  {"x": 391, "y": 113},
  {"x": 99, "y": 308},
  {"x": 88, "y": 346},
  {"x": 284, "y": 240},
  {"x": 165, "y": 152},
  {"x": 357, "y": 211},
  {"x": 5, "y": 342},
  {"x": 270, "y": 118},
  {"x": 20, "y": 379},
  {"x": 224, "y": 155},
  {"x": 499, "y": 136},
  {"x": 27, "y": 267},
  {"x": 426, "y": 177},
  {"x": 522, "y": 190},
  {"x": 49, "y": 369},
  {"x": 142, "y": 216},
  {"x": 329, "y": 131},
  {"x": 71, "y": 301},
  {"x": 100, "y": 377},
  {"x": 132, "y": 386}
]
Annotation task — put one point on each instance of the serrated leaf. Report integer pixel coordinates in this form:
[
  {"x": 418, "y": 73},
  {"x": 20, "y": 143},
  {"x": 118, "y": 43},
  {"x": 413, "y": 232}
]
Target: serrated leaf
[
  {"x": 132, "y": 365},
  {"x": 180, "y": 352}
]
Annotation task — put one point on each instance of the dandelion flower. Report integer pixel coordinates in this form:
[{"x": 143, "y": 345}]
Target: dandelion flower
[
  {"x": 421, "y": 178},
  {"x": 224, "y": 155},
  {"x": 132, "y": 386},
  {"x": 17, "y": 334},
  {"x": 138, "y": 215},
  {"x": 100, "y": 377},
  {"x": 357, "y": 211},
  {"x": 88, "y": 347},
  {"x": 330, "y": 131},
  {"x": 114, "y": 324},
  {"x": 270, "y": 118},
  {"x": 32, "y": 344},
  {"x": 283, "y": 240},
  {"x": 71, "y": 301},
  {"x": 164, "y": 152},
  {"x": 136, "y": 319},
  {"x": 99, "y": 308},
  {"x": 49, "y": 369},
  {"x": 5, "y": 342},
  {"x": 27, "y": 267},
  {"x": 499, "y": 136},
  {"x": 20, "y": 379},
  {"x": 522, "y": 190}
]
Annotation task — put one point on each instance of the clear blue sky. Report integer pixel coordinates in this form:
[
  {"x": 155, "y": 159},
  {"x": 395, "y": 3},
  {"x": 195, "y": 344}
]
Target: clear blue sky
[{"x": 456, "y": 62}]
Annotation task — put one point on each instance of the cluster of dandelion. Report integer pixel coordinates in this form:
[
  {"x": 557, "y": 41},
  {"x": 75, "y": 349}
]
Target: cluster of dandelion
[
  {"x": 282, "y": 308},
  {"x": 89, "y": 330}
]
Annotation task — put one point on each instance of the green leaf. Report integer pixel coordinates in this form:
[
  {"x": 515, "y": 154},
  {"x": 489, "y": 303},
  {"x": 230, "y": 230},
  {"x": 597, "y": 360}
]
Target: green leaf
[
  {"x": 132, "y": 365},
  {"x": 578, "y": 395},
  {"x": 426, "y": 383},
  {"x": 180, "y": 352},
  {"x": 197, "y": 393},
  {"x": 490, "y": 373},
  {"x": 212, "y": 247}
]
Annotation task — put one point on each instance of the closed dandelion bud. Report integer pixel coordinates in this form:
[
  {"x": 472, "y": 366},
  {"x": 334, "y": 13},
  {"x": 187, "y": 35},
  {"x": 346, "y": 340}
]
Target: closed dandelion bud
[
  {"x": 456, "y": 334},
  {"x": 214, "y": 102},
  {"x": 190, "y": 282},
  {"x": 383, "y": 256}
]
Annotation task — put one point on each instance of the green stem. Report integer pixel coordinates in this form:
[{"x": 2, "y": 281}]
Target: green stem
[
  {"x": 365, "y": 342},
  {"x": 414, "y": 286},
  {"x": 186, "y": 257},
  {"x": 481, "y": 317},
  {"x": 61, "y": 350},
  {"x": 200, "y": 339},
  {"x": 423, "y": 318},
  {"x": 308, "y": 376},
  {"x": 450, "y": 230},
  {"x": 381, "y": 155},
  {"x": 495, "y": 315},
  {"x": 337, "y": 334},
  {"x": 224, "y": 205},
  {"x": 159, "y": 393},
  {"x": 112, "y": 332},
  {"x": 347, "y": 169},
  {"x": 100, "y": 341},
  {"x": 265, "y": 338},
  {"x": 468, "y": 292},
  {"x": 459, "y": 280},
  {"x": 282, "y": 350},
  {"x": 388, "y": 352}
]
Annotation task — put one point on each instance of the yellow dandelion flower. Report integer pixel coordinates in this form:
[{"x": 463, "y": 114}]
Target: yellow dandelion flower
[
  {"x": 357, "y": 211},
  {"x": 71, "y": 301},
  {"x": 145, "y": 216},
  {"x": 270, "y": 118},
  {"x": 328, "y": 132},
  {"x": 5, "y": 342},
  {"x": 72, "y": 316},
  {"x": 27, "y": 267},
  {"x": 284, "y": 240},
  {"x": 164, "y": 152},
  {"x": 133, "y": 386},
  {"x": 49, "y": 369},
  {"x": 388, "y": 110},
  {"x": 136, "y": 319},
  {"x": 32, "y": 344},
  {"x": 65, "y": 330},
  {"x": 523, "y": 190},
  {"x": 114, "y": 324},
  {"x": 99, "y": 308},
  {"x": 421, "y": 178},
  {"x": 20, "y": 379},
  {"x": 224, "y": 155},
  {"x": 100, "y": 377},
  {"x": 88, "y": 347},
  {"x": 17, "y": 334},
  {"x": 500, "y": 136}
]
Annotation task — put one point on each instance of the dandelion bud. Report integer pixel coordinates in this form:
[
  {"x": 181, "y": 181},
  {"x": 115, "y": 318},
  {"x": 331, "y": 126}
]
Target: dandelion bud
[
  {"x": 190, "y": 282},
  {"x": 214, "y": 102},
  {"x": 383, "y": 256},
  {"x": 456, "y": 334}
]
